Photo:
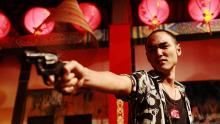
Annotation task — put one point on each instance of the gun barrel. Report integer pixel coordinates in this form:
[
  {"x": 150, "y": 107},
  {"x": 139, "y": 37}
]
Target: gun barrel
[{"x": 34, "y": 57}]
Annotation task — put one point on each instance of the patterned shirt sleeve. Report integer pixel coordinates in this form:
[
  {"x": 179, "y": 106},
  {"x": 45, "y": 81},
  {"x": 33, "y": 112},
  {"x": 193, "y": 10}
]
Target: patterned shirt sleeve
[{"x": 139, "y": 81}]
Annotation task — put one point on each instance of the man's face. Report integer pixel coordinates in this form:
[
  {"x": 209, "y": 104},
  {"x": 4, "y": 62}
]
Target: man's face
[{"x": 162, "y": 51}]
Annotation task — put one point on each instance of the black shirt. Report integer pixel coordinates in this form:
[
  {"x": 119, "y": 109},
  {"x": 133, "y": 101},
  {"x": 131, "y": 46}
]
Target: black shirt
[{"x": 179, "y": 106}]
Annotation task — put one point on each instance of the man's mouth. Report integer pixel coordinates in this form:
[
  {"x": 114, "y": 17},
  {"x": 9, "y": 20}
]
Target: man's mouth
[{"x": 162, "y": 61}]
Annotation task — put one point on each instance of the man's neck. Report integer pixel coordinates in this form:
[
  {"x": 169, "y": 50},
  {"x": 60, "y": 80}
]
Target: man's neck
[{"x": 169, "y": 78}]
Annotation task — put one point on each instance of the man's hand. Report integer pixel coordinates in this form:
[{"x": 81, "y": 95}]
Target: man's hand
[{"x": 72, "y": 78}]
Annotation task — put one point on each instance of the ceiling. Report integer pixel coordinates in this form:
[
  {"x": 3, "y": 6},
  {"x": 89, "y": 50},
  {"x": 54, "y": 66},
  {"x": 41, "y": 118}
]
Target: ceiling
[{"x": 15, "y": 10}]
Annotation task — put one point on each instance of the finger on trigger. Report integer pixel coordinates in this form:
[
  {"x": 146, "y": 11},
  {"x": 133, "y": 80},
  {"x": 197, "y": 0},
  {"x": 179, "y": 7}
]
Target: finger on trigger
[{"x": 51, "y": 79}]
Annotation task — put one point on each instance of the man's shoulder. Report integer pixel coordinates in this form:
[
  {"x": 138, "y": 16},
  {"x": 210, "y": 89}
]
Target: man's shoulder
[
  {"x": 180, "y": 86},
  {"x": 145, "y": 72},
  {"x": 140, "y": 72}
]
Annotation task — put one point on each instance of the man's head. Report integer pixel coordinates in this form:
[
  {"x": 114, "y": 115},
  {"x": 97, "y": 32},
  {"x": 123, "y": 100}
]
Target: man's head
[{"x": 162, "y": 50}]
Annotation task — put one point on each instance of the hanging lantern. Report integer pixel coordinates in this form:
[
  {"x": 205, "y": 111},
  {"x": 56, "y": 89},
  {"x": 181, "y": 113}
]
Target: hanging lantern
[
  {"x": 33, "y": 19},
  {"x": 204, "y": 10},
  {"x": 92, "y": 16},
  {"x": 4, "y": 25},
  {"x": 153, "y": 12}
]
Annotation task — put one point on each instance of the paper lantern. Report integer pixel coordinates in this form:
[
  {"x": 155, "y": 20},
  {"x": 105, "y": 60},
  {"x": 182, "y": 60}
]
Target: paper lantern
[
  {"x": 153, "y": 12},
  {"x": 4, "y": 25},
  {"x": 92, "y": 15},
  {"x": 33, "y": 19},
  {"x": 204, "y": 10}
]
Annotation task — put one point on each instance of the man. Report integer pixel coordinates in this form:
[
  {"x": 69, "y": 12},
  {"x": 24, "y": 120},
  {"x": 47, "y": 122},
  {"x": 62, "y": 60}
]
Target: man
[{"x": 155, "y": 97}]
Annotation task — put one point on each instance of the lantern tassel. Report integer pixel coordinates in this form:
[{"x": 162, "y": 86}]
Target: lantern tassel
[{"x": 208, "y": 25}]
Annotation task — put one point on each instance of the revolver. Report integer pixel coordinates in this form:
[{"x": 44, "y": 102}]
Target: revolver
[{"x": 46, "y": 64}]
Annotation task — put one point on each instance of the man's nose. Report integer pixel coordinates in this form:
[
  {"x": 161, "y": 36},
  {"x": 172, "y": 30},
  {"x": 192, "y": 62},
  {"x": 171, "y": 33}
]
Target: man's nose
[{"x": 159, "y": 52}]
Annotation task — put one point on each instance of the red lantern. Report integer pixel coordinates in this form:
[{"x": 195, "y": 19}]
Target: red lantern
[
  {"x": 92, "y": 15},
  {"x": 4, "y": 25},
  {"x": 204, "y": 10},
  {"x": 153, "y": 12},
  {"x": 34, "y": 17}
]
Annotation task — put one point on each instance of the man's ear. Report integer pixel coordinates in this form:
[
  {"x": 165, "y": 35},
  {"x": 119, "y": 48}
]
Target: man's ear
[
  {"x": 146, "y": 53},
  {"x": 179, "y": 51}
]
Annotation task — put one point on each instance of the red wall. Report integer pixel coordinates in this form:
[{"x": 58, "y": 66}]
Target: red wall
[{"x": 199, "y": 61}]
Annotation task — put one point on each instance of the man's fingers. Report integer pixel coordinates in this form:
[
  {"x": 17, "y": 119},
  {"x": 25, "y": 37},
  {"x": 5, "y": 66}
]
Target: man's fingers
[
  {"x": 74, "y": 67},
  {"x": 68, "y": 89},
  {"x": 69, "y": 76},
  {"x": 71, "y": 82},
  {"x": 69, "y": 66},
  {"x": 51, "y": 80}
]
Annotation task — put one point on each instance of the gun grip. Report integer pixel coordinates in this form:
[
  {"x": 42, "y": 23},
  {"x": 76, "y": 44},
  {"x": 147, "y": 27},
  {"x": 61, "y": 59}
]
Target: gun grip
[{"x": 57, "y": 71}]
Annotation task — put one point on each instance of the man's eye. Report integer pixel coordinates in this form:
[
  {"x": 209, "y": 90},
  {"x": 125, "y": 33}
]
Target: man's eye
[
  {"x": 164, "y": 46},
  {"x": 151, "y": 49}
]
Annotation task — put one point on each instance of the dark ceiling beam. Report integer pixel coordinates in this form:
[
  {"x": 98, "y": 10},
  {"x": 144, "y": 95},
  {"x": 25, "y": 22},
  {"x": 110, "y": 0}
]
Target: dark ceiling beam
[
  {"x": 72, "y": 40},
  {"x": 178, "y": 29}
]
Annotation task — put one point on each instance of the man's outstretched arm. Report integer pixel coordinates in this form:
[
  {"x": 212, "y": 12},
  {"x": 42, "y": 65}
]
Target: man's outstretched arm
[{"x": 77, "y": 76}]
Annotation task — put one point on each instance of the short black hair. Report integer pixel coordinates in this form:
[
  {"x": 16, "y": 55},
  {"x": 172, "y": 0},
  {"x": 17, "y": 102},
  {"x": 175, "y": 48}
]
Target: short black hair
[{"x": 160, "y": 30}]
